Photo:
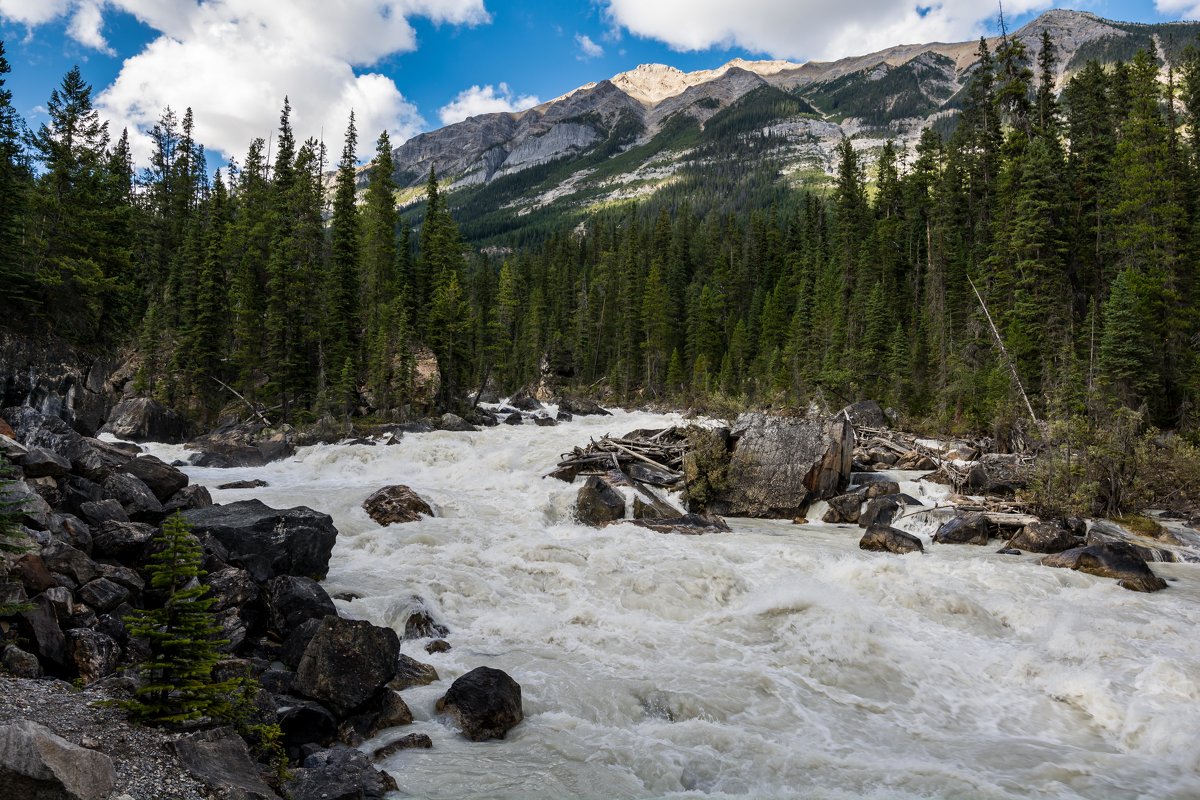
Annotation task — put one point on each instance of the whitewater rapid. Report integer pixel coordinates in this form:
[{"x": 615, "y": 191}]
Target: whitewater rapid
[{"x": 776, "y": 661}]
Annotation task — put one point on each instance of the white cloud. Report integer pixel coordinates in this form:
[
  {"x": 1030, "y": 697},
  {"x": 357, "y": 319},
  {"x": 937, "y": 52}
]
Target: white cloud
[
  {"x": 232, "y": 62},
  {"x": 809, "y": 29},
  {"x": 1180, "y": 9},
  {"x": 587, "y": 48},
  {"x": 484, "y": 100}
]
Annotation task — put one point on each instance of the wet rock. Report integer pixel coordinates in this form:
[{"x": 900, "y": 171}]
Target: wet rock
[
  {"x": 687, "y": 524},
  {"x": 598, "y": 503},
  {"x": 141, "y": 419},
  {"x": 35, "y": 764},
  {"x": 1008, "y": 551},
  {"x": 392, "y": 505},
  {"x": 163, "y": 479},
  {"x": 453, "y": 422},
  {"x": 564, "y": 416},
  {"x": 124, "y": 541},
  {"x": 524, "y": 401},
  {"x": 997, "y": 474},
  {"x": 341, "y": 773},
  {"x": 97, "y": 460},
  {"x": 220, "y": 759},
  {"x": 240, "y": 445},
  {"x": 20, "y": 663},
  {"x": 346, "y": 663},
  {"x": 1105, "y": 532},
  {"x": 410, "y": 673},
  {"x": 189, "y": 497},
  {"x": 99, "y": 512},
  {"x": 515, "y": 418},
  {"x": 410, "y": 742},
  {"x": 882, "y": 489},
  {"x": 437, "y": 646},
  {"x": 778, "y": 466},
  {"x": 880, "y": 511},
  {"x": 1113, "y": 560},
  {"x": 134, "y": 496},
  {"x": 304, "y": 722},
  {"x": 485, "y": 702},
  {"x": 914, "y": 460},
  {"x": 103, "y": 594},
  {"x": 292, "y": 600},
  {"x": 297, "y": 642},
  {"x": 544, "y": 422},
  {"x": 40, "y": 463},
  {"x": 421, "y": 624},
  {"x": 1044, "y": 537},
  {"x": 865, "y": 413},
  {"x": 884, "y": 538},
  {"x": 963, "y": 529},
  {"x": 254, "y": 484},
  {"x": 581, "y": 407},
  {"x": 267, "y": 541},
  {"x": 386, "y": 710},
  {"x": 94, "y": 654},
  {"x": 845, "y": 507}
]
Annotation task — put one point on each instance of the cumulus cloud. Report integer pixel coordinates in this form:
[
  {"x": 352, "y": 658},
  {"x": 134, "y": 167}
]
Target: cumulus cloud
[
  {"x": 232, "y": 62},
  {"x": 809, "y": 29},
  {"x": 1180, "y": 9},
  {"x": 588, "y": 48},
  {"x": 484, "y": 100}
]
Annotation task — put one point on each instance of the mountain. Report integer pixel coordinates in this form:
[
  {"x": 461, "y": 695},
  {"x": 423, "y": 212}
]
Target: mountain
[{"x": 748, "y": 126}]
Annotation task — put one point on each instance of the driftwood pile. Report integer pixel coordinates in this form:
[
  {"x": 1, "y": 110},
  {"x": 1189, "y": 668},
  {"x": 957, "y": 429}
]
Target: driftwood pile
[{"x": 653, "y": 457}]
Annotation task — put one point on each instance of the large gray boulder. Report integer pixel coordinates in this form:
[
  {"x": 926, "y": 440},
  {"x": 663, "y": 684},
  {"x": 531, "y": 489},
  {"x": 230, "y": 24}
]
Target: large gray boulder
[
  {"x": 1044, "y": 537},
  {"x": 969, "y": 528},
  {"x": 37, "y": 765},
  {"x": 267, "y": 541},
  {"x": 134, "y": 496},
  {"x": 341, "y": 773},
  {"x": 886, "y": 539},
  {"x": 347, "y": 663},
  {"x": 777, "y": 466},
  {"x": 163, "y": 479},
  {"x": 1112, "y": 560},
  {"x": 598, "y": 503},
  {"x": 219, "y": 758},
  {"x": 486, "y": 703},
  {"x": 141, "y": 419},
  {"x": 293, "y": 600},
  {"x": 865, "y": 413}
]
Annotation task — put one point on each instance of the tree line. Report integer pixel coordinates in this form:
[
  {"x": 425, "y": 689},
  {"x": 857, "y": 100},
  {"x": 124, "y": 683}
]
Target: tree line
[{"x": 1071, "y": 217}]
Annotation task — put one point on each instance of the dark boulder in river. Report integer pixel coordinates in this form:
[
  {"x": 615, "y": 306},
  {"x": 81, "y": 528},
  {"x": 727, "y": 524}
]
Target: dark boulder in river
[
  {"x": 486, "y": 703},
  {"x": 1113, "y": 560},
  {"x": 396, "y": 504},
  {"x": 886, "y": 539},
  {"x": 268, "y": 541},
  {"x": 347, "y": 663},
  {"x": 141, "y": 419},
  {"x": 1044, "y": 537},
  {"x": 598, "y": 502},
  {"x": 963, "y": 529}
]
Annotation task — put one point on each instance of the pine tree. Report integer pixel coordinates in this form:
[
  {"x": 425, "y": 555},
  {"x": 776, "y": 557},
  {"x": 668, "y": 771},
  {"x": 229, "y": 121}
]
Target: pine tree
[
  {"x": 342, "y": 288},
  {"x": 181, "y": 634},
  {"x": 15, "y": 284}
]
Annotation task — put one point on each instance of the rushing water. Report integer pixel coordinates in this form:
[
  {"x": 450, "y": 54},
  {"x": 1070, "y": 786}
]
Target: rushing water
[{"x": 777, "y": 661}]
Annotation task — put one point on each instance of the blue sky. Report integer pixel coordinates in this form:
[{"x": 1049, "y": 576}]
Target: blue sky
[{"x": 422, "y": 63}]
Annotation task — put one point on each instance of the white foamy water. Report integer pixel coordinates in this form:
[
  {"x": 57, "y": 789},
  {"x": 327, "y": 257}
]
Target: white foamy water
[{"x": 777, "y": 661}]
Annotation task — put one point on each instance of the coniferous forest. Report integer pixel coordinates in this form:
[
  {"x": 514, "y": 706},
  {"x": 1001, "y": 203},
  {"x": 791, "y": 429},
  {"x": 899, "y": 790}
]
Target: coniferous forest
[{"x": 1070, "y": 217}]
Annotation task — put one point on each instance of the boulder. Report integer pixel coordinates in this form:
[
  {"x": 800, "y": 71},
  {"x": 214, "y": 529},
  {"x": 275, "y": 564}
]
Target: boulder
[
  {"x": 37, "y": 765},
  {"x": 562, "y": 416},
  {"x": 97, "y": 460},
  {"x": 341, "y": 773},
  {"x": 598, "y": 503},
  {"x": 963, "y": 529},
  {"x": 240, "y": 445},
  {"x": 880, "y": 511},
  {"x": 1044, "y": 537},
  {"x": 103, "y": 594},
  {"x": 124, "y": 541},
  {"x": 410, "y": 742},
  {"x": 882, "y": 489},
  {"x": 123, "y": 576},
  {"x": 410, "y": 673},
  {"x": 41, "y": 463},
  {"x": 141, "y": 419},
  {"x": 347, "y": 663},
  {"x": 39, "y": 626},
  {"x": 304, "y": 722},
  {"x": 232, "y": 588},
  {"x": 1106, "y": 532},
  {"x": 77, "y": 490},
  {"x": 28, "y": 504},
  {"x": 886, "y": 539},
  {"x": 544, "y": 422},
  {"x": 1113, "y": 560},
  {"x": 20, "y": 663},
  {"x": 66, "y": 560},
  {"x": 101, "y": 511},
  {"x": 453, "y": 422},
  {"x": 421, "y": 624},
  {"x": 220, "y": 759},
  {"x": 997, "y": 474},
  {"x": 396, "y": 504},
  {"x": 580, "y": 407},
  {"x": 297, "y": 642},
  {"x": 437, "y": 646},
  {"x": 485, "y": 702},
  {"x": 687, "y": 524},
  {"x": 187, "y": 498},
  {"x": 778, "y": 465},
  {"x": 162, "y": 479},
  {"x": 515, "y": 418},
  {"x": 386, "y": 710},
  {"x": 33, "y": 574},
  {"x": 845, "y": 507},
  {"x": 267, "y": 541},
  {"x": 94, "y": 654},
  {"x": 292, "y": 600},
  {"x": 134, "y": 496},
  {"x": 864, "y": 414},
  {"x": 72, "y": 530},
  {"x": 525, "y": 401}
]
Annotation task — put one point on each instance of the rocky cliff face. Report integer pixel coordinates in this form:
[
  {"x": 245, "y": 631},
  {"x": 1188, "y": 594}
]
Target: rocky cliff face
[
  {"x": 891, "y": 94},
  {"x": 57, "y": 380}
]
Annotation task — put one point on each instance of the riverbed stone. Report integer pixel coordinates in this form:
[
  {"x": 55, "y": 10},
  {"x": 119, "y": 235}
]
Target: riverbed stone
[
  {"x": 410, "y": 673},
  {"x": 969, "y": 528},
  {"x": 1111, "y": 560},
  {"x": 598, "y": 503},
  {"x": 396, "y": 504},
  {"x": 886, "y": 539},
  {"x": 485, "y": 702},
  {"x": 880, "y": 511},
  {"x": 845, "y": 507},
  {"x": 1044, "y": 537},
  {"x": 220, "y": 759},
  {"x": 346, "y": 663}
]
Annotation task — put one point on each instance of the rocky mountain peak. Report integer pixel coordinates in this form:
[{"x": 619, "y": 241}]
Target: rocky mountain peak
[{"x": 652, "y": 83}]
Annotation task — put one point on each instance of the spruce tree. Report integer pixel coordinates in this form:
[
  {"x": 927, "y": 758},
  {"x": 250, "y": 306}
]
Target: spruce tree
[
  {"x": 177, "y": 682},
  {"x": 342, "y": 291},
  {"x": 15, "y": 285}
]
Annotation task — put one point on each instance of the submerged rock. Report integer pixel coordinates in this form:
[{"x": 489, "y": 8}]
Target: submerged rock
[
  {"x": 598, "y": 503},
  {"x": 963, "y": 529},
  {"x": 485, "y": 702},
  {"x": 884, "y": 538},
  {"x": 392, "y": 505},
  {"x": 410, "y": 673},
  {"x": 687, "y": 524},
  {"x": 1044, "y": 537},
  {"x": 845, "y": 507},
  {"x": 1112, "y": 560}
]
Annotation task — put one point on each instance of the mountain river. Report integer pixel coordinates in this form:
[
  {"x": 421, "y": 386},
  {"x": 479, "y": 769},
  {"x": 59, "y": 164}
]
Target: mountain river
[{"x": 776, "y": 661}]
